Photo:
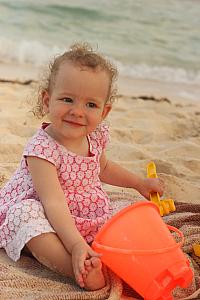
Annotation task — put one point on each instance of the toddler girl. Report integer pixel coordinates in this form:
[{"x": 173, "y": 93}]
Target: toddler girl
[{"x": 54, "y": 204}]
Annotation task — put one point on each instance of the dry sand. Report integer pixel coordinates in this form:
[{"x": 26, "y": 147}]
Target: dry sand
[
  {"x": 150, "y": 121},
  {"x": 164, "y": 127}
]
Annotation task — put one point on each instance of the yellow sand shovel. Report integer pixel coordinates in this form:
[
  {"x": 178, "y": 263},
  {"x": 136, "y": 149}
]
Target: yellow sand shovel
[
  {"x": 165, "y": 206},
  {"x": 196, "y": 248}
]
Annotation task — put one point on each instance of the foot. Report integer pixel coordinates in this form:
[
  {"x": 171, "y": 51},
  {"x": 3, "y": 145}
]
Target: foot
[{"x": 94, "y": 279}]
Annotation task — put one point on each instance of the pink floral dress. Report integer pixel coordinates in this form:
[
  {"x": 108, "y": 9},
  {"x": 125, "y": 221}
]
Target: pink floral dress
[{"x": 22, "y": 215}]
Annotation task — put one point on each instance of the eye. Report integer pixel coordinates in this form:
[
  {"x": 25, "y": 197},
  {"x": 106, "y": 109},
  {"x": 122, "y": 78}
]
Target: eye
[
  {"x": 91, "y": 104},
  {"x": 67, "y": 100}
]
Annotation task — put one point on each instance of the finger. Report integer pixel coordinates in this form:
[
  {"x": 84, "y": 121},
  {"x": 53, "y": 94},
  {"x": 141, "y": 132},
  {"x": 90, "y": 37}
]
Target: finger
[
  {"x": 147, "y": 196},
  {"x": 84, "y": 277},
  {"x": 79, "y": 271},
  {"x": 80, "y": 280},
  {"x": 81, "y": 265},
  {"x": 162, "y": 183},
  {"x": 94, "y": 253},
  {"x": 79, "y": 277},
  {"x": 88, "y": 265},
  {"x": 161, "y": 186},
  {"x": 82, "y": 269}
]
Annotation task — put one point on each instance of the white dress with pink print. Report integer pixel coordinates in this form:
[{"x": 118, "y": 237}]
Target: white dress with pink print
[{"x": 22, "y": 215}]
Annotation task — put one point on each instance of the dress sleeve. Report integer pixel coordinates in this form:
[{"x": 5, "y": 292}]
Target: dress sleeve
[
  {"x": 42, "y": 146},
  {"x": 103, "y": 134}
]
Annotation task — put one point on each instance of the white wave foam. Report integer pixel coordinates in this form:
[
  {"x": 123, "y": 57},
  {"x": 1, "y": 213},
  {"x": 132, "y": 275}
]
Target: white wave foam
[
  {"x": 37, "y": 54},
  {"x": 33, "y": 52},
  {"x": 161, "y": 73}
]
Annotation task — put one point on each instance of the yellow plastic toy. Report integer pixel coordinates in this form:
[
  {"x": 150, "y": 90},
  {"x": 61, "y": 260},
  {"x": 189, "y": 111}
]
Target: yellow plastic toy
[
  {"x": 196, "y": 248},
  {"x": 165, "y": 206}
]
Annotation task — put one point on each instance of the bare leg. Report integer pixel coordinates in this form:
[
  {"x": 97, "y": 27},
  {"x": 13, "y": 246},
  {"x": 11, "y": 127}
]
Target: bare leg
[{"x": 48, "y": 249}]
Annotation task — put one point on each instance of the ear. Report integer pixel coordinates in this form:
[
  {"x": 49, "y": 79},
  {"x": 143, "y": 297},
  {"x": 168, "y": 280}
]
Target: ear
[
  {"x": 45, "y": 101},
  {"x": 106, "y": 110}
]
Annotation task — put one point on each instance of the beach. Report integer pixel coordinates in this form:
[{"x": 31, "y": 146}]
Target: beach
[
  {"x": 156, "y": 116},
  {"x": 150, "y": 121}
]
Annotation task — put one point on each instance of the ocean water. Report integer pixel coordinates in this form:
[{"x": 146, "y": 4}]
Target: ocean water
[{"x": 157, "y": 39}]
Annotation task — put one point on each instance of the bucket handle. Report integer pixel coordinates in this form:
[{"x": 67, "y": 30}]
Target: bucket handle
[{"x": 143, "y": 252}]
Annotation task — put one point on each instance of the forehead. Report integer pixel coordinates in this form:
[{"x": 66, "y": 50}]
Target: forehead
[
  {"x": 81, "y": 81},
  {"x": 69, "y": 70}
]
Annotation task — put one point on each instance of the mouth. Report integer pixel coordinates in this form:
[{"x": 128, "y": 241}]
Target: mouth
[{"x": 74, "y": 124}]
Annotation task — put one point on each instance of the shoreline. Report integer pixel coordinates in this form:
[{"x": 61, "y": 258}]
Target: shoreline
[
  {"x": 159, "y": 89},
  {"x": 127, "y": 86}
]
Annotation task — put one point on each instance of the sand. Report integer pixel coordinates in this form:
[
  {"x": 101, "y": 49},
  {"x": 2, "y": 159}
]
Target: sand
[{"x": 151, "y": 120}]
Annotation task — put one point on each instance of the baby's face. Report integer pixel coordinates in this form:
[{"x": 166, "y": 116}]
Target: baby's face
[{"x": 77, "y": 102}]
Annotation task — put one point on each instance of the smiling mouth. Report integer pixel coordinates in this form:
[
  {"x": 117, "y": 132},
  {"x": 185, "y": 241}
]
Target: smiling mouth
[{"x": 75, "y": 124}]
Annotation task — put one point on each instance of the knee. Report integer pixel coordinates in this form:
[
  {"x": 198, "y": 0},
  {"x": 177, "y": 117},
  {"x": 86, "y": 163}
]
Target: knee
[{"x": 48, "y": 249}]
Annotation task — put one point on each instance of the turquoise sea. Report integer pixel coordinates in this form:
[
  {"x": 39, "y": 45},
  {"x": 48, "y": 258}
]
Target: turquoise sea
[{"x": 157, "y": 39}]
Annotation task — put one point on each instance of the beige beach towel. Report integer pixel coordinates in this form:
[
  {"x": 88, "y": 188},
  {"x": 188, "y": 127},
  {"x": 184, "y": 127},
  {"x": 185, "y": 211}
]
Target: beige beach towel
[{"x": 28, "y": 280}]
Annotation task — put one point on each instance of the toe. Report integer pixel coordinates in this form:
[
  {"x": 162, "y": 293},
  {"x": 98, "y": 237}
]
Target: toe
[{"x": 96, "y": 262}]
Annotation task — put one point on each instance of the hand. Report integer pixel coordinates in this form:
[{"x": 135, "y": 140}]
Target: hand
[
  {"x": 151, "y": 185},
  {"x": 80, "y": 252}
]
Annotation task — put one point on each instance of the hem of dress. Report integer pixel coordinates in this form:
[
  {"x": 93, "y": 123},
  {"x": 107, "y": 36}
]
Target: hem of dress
[{"x": 15, "y": 255}]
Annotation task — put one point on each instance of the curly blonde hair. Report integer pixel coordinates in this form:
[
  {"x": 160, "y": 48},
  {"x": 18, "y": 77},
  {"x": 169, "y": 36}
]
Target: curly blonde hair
[{"x": 80, "y": 54}]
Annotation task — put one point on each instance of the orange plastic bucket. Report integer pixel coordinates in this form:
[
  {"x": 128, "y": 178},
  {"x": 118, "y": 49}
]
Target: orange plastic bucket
[{"x": 137, "y": 245}]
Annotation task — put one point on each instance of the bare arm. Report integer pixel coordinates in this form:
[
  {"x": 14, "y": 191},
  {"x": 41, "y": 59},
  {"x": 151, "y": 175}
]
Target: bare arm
[
  {"x": 47, "y": 186},
  {"x": 114, "y": 174}
]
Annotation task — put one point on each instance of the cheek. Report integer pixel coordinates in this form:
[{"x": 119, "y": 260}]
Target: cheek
[
  {"x": 95, "y": 118},
  {"x": 55, "y": 110}
]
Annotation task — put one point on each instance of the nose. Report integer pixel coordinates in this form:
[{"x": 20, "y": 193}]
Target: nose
[{"x": 77, "y": 110}]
